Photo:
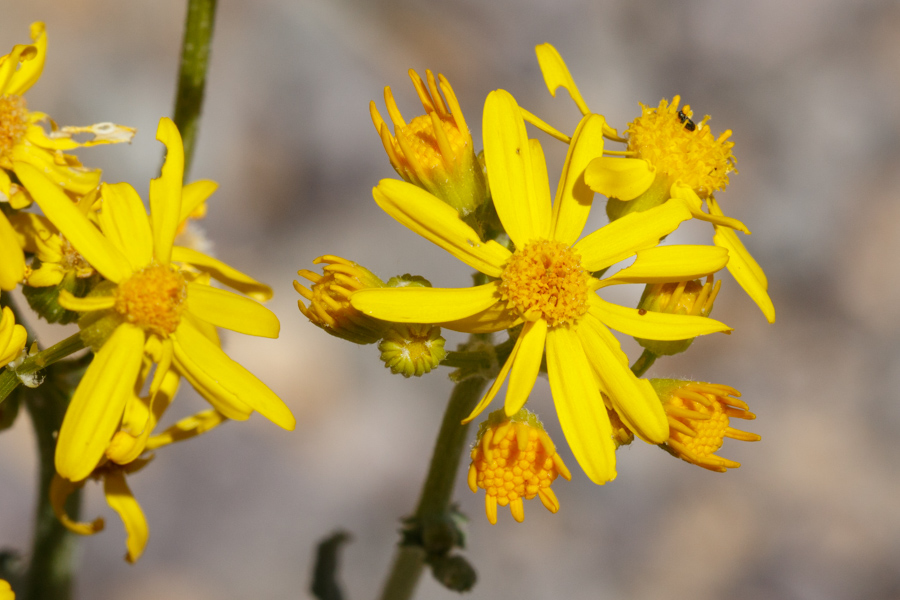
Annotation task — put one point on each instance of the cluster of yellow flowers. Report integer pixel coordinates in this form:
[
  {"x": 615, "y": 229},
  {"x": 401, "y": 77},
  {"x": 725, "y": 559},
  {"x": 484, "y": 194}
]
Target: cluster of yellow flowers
[
  {"x": 538, "y": 276},
  {"x": 143, "y": 298}
]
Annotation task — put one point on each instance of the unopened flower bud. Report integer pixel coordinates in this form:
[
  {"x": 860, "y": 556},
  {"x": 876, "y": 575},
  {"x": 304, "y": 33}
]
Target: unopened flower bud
[
  {"x": 412, "y": 349},
  {"x": 683, "y": 298},
  {"x": 699, "y": 415}
]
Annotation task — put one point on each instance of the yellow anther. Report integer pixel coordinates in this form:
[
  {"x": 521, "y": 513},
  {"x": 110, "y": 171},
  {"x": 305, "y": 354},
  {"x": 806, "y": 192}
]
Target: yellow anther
[{"x": 153, "y": 298}]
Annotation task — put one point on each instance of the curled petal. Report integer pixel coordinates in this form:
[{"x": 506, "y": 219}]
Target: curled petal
[
  {"x": 121, "y": 500},
  {"x": 619, "y": 178}
]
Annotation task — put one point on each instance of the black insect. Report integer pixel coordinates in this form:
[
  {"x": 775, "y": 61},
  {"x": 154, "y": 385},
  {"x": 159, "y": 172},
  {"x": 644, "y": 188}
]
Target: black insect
[{"x": 688, "y": 124}]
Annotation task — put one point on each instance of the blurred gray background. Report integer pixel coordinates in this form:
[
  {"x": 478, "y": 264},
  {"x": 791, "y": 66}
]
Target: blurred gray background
[{"x": 810, "y": 89}]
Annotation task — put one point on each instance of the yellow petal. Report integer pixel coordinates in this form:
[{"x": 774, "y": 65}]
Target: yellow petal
[
  {"x": 194, "y": 194},
  {"x": 87, "y": 304},
  {"x": 165, "y": 191},
  {"x": 495, "y": 318},
  {"x": 231, "y": 311},
  {"x": 527, "y": 365},
  {"x": 663, "y": 264},
  {"x": 619, "y": 178},
  {"x": 440, "y": 224},
  {"x": 81, "y": 233},
  {"x": 203, "y": 360},
  {"x": 68, "y": 173},
  {"x": 579, "y": 405},
  {"x": 121, "y": 500},
  {"x": 425, "y": 305},
  {"x": 187, "y": 428},
  {"x": 100, "y": 133},
  {"x": 687, "y": 195},
  {"x": 46, "y": 275},
  {"x": 539, "y": 170},
  {"x": 223, "y": 273},
  {"x": 12, "y": 337},
  {"x": 37, "y": 235},
  {"x": 573, "y": 197},
  {"x": 653, "y": 325},
  {"x": 124, "y": 222},
  {"x": 98, "y": 403},
  {"x": 498, "y": 382},
  {"x": 5, "y": 183},
  {"x": 745, "y": 270},
  {"x": 624, "y": 237},
  {"x": 60, "y": 490},
  {"x": 33, "y": 56},
  {"x": 556, "y": 75},
  {"x": 12, "y": 259},
  {"x": 633, "y": 399},
  {"x": 507, "y": 154}
]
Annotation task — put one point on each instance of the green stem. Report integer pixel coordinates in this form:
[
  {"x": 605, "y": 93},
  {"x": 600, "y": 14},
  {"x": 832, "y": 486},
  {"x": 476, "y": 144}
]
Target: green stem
[
  {"x": 438, "y": 487},
  {"x": 50, "y": 572},
  {"x": 198, "y": 29},
  {"x": 644, "y": 362},
  {"x": 10, "y": 379}
]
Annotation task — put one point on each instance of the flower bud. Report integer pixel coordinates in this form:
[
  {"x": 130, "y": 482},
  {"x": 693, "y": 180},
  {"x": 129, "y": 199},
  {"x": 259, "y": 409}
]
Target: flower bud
[
  {"x": 412, "y": 349},
  {"x": 683, "y": 298}
]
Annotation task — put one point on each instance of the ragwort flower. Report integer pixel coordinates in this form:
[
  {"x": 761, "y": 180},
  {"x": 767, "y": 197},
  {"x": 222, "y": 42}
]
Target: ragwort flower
[
  {"x": 668, "y": 156},
  {"x": 158, "y": 302},
  {"x": 546, "y": 284}
]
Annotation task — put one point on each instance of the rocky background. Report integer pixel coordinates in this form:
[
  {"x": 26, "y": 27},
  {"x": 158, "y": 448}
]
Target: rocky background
[{"x": 810, "y": 89}]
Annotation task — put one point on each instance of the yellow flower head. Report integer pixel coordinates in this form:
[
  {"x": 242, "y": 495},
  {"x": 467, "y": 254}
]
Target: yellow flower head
[
  {"x": 157, "y": 303},
  {"x": 514, "y": 460},
  {"x": 699, "y": 415},
  {"x": 6, "y": 592},
  {"x": 546, "y": 286},
  {"x": 12, "y": 337},
  {"x": 434, "y": 150},
  {"x": 685, "y": 151},
  {"x": 678, "y": 298},
  {"x": 412, "y": 349},
  {"x": 329, "y": 299}
]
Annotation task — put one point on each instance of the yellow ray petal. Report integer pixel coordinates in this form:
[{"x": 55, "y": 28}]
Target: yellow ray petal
[
  {"x": 544, "y": 126},
  {"x": 98, "y": 403},
  {"x": 495, "y": 318},
  {"x": 187, "y": 428},
  {"x": 539, "y": 170},
  {"x": 527, "y": 365},
  {"x": 223, "y": 273},
  {"x": 204, "y": 360},
  {"x": 440, "y": 224},
  {"x": 624, "y": 237},
  {"x": 76, "y": 179},
  {"x": 87, "y": 304},
  {"x": 31, "y": 66},
  {"x": 498, "y": 383},
  {"x": 556, "y": 75},
  {"x": 425, "y": 305},
  {"x": 231, "y": 311},
  {"x": 573, "y": 197},
  {"x": 165, "y": 191},
  {"x": 507, "y": 155},
  {"x": 662, "y": 264},
  {"x": 687, "y": 195},
  {"x": 37, "y": 235},
  {"x": 12, "y": 259},
  {"x": 120, "y": 499},
  {"x": 653, "y": 325},
  {"x": 579, "y": 405},
  {"x": 619, "y": 178},
  {"x": 194, "y": 194},
  {"x": 124, "y": 222},
  {"x": 633, "y": 399},
  {"x": 745, "y": 270},
  {"x": 81, "y": 233},
  {"x": 60, "y": 490}
]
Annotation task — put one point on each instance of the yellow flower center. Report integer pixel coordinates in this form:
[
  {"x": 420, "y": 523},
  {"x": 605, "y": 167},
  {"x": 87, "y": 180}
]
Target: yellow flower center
[
  {"x": 153, "y": 299},
  {"x": 13, "y": 122},
  {"x": 668, "y": 139},
  {"x": 513, "y": 461},
  {"x": 545, "y": 280},
  {"x": 422, "y": 148}
]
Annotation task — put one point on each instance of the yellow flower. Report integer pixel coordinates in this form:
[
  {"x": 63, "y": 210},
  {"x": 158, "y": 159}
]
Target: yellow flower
[
  {"x": 514, "y": 460},
  {"x": 6, "y": 592},
  {"x": 157, "y": 302},
  {"x": 56, "y": 257},
  {"x": 546, "y": 284},
  {"x": 668, "y": 156},
  {"x": 434, "y": 150},
  {"x": 698, "y": 415},
  {"x": 681, "y": 298},
  {"x": 12, "y": 337}
]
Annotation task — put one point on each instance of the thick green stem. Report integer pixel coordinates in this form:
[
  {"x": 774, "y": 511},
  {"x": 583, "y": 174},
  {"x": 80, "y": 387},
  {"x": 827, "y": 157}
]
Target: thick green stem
[
  {"x": 644, "y": 362},
  {"x": 434, "y": 502},
  {"x": 198, "y": 29},
  {"x": 50, "y": 572}
]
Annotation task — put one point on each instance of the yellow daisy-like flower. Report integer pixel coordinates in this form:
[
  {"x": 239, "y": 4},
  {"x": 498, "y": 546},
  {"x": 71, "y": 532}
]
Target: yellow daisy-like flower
[
  {"x": 434, "y": 150},
  {"x": 546, "y": 284},
  {"x": 514, "y": 460},
  {"x": 668, "y": 156},
  {"x": 12, "y": 337},
  {"x": 699, "y": 415},
  {"x": 6, "y": 592},
  {"x": 156, "y": 304}
]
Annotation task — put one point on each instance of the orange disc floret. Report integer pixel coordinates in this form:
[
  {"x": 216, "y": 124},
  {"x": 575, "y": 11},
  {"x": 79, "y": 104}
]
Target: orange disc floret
[
  {"x": 153, "y": 298},
  {"x": 515, "y": 460}
]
